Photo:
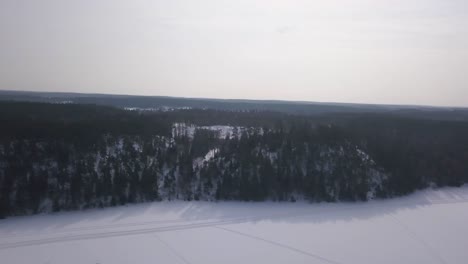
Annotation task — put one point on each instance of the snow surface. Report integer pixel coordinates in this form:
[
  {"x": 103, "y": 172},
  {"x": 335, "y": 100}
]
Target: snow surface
[
  {"x": 200, "y": 162},
  {"x": 426, "y": 227},
  {"x": 222, "y": 130}
]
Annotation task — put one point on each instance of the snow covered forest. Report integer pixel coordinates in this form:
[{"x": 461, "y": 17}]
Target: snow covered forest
[{"x": 57, "y": 157}]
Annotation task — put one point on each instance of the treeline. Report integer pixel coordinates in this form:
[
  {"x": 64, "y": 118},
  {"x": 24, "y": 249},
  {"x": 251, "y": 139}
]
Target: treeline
[{"x": 62, "y": 157}]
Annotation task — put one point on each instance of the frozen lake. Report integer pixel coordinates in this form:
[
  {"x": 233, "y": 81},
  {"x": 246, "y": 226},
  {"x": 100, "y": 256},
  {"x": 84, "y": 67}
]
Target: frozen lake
[{"x": 426, "y": 227}]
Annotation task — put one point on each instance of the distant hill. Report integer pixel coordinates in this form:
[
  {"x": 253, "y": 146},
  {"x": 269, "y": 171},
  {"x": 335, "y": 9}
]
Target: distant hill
[{"x": 291, "y": 107}]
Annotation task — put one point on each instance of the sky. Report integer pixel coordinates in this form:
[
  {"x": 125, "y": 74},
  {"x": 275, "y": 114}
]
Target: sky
[{"x": 357, "y": 51}]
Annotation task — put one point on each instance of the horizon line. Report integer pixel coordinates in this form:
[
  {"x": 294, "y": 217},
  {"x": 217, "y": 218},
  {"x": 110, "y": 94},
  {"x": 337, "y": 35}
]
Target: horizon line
[{"x": 242, "y": 99}]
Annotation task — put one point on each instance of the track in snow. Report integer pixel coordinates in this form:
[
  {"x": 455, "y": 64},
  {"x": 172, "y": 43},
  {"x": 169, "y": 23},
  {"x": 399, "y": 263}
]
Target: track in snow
[{"x": 428, "y": 227}]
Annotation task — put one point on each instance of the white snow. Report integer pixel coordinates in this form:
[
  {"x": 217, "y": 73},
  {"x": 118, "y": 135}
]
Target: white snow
[
  {"x": 224, "y": 131},
  {"x": 200, "y": 162},
  {"x": 426, "y": 227},
  {"x": 157, "y": 109},
  {"x": 179, "y": 129}
]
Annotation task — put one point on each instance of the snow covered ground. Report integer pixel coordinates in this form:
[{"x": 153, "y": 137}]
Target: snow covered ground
[{"x": 427, "y": 227}]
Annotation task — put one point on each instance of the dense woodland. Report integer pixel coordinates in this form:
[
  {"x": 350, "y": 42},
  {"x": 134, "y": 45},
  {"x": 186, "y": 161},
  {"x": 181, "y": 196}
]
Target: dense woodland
[{"x": 69, "y": 156}]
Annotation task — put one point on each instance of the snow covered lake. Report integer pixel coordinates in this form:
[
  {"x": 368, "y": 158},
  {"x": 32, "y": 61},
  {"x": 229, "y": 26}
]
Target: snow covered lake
[{"x": 426, "y": 227}]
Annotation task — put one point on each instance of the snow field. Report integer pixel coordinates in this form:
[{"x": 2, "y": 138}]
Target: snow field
[{"x": 426, "y": 227}]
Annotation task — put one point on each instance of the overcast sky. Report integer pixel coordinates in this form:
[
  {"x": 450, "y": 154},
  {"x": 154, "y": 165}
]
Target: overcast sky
[{"x": 371, "y": 51}]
